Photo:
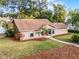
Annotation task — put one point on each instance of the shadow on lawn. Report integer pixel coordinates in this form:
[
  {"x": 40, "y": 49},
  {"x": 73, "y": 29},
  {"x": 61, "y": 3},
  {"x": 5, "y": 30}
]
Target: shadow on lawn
[{"x": 36, "y": 39}]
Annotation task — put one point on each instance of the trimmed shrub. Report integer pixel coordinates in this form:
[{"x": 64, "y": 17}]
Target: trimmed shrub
[
  {"x": 75, "y": 38},
  {"x": 73, "y": 31}
]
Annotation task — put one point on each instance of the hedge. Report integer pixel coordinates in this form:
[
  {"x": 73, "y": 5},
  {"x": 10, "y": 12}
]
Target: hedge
[{"x": 73, "y": 31}]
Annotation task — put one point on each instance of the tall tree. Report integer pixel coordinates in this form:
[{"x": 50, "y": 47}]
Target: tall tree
[
  {"x": 32, "y": 7},
  {"x": 3, "y": 2},
  {"x": 21, "y": 14},
  {"x": 59, "y": 13},
  {"x": 74, "y": 14},
  {"x": 41, "y": 5},
  {"x": 46, "y": 15}
]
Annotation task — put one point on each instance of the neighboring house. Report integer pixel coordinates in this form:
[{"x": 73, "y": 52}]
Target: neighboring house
[
  {"x": 72, "y": 27},
  {"x": 5, "y": 19},
  {"x": 38, "y": 28},
  {"x": 2, "y": 31}
]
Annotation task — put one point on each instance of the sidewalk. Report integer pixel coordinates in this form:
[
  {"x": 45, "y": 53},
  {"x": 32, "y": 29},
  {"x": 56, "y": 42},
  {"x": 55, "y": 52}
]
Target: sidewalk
[{"x": 51, "y": 38}]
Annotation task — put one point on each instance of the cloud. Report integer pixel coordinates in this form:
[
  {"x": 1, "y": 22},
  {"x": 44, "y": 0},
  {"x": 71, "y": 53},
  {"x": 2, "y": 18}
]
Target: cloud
[
  {"x": 50, "y": 6},
  {"x": 59, "y": 2}
]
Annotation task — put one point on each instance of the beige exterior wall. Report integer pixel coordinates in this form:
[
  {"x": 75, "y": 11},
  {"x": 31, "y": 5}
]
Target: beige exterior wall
[
  {"x": 36, "y": 35},
  {"x": 60, "y": 31},
  {"x": 26, "y": 35}
]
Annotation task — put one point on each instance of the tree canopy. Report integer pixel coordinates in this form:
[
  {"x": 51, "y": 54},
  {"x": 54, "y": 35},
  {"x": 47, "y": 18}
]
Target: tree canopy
[
  {"x": 74, "y": 14},
  {"x": 59, "y": 13},
  {"x": 28, "y": 8},
  {"x": 39, "y": 9}
]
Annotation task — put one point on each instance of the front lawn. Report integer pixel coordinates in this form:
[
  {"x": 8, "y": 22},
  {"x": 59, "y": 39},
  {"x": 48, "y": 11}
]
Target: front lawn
[
  {"x": 66, "y": 37},
  {"x": 15, "y": 49}
]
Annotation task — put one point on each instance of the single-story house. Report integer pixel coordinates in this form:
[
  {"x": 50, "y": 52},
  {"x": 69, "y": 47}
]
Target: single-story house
[
  {"x": 71, "y": 27},
  {"x": 37, "y": 28}
]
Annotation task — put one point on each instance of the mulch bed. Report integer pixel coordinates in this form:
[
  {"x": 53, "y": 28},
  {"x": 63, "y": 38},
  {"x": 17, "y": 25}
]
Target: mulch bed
[{"x": 66, "y": 52}]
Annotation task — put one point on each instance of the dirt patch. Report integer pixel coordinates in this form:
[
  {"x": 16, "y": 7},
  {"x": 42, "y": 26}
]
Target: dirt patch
[{"x": 66, "y": 52}]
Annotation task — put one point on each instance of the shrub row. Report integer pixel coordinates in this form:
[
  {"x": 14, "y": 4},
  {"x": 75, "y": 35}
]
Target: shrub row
[
  {"x": 73, "y": 31},
  {"x": 75, "y": 38}
]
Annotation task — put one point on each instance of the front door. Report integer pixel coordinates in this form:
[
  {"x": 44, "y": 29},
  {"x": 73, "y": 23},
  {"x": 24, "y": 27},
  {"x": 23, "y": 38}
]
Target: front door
[{"x": 49, "y": 32}]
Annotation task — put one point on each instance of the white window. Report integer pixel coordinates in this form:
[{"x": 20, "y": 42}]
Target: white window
[
  {"x": 31, "y": 34},
  {"x": 49, "y": 31},
  {"x": 53, "y": 32}
]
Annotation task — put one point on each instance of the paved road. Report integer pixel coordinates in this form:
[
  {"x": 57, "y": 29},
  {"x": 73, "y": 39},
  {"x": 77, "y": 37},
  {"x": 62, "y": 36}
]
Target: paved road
[{"x": 51, "y": 38}]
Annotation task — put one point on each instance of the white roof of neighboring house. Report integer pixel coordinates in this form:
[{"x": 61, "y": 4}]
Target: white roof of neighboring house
[
  {"x": 5, "y": 19},
  {"x": 2, "y": 30}
]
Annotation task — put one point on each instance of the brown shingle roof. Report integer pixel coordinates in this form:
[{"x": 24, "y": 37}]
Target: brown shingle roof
[
  {"x": 59, "y": 25},
  {"x": 30, "y": 24},
  {"x": 35, "y": 24}
]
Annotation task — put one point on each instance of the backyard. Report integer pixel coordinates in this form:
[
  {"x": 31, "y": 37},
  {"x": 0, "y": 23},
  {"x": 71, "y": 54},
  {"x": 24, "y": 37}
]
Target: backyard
[{"x": 12, "y": 49}]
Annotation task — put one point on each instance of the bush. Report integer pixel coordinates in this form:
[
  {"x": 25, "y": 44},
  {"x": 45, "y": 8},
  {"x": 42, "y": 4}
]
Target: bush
[
  {"x": 75, "y": 38},
  {"x": 17, "y": 36},
  {"x": 10, "y": 33},
  {"x": 73, "y": 31}
]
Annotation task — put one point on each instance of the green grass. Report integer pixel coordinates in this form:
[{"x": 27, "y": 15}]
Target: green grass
[
  {"x": 66, "y": 37},
  {"x": 16, "y": 49}
]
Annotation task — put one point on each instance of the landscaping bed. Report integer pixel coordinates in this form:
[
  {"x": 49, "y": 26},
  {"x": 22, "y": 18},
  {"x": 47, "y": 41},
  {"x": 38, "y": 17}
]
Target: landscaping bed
[{"x": 11, "y": 49}]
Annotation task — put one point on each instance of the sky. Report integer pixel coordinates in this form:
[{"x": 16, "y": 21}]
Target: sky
[
  {"x": 71, "y": 3},
  {"x": 68, "y": 3}
]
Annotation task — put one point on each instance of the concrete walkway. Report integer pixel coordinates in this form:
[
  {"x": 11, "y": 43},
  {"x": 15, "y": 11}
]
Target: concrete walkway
[{"x": 51, "y": 38}]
